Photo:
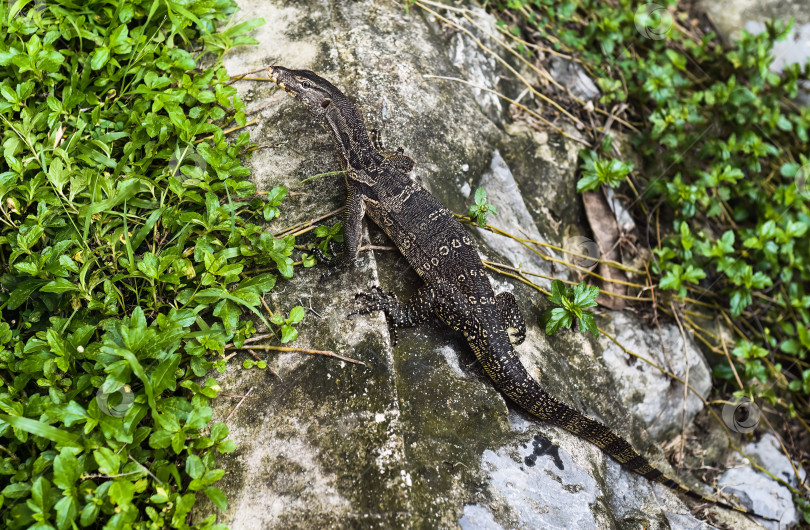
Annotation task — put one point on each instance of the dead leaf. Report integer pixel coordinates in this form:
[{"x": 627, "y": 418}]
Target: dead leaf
[{"x": 606, "y": 233}]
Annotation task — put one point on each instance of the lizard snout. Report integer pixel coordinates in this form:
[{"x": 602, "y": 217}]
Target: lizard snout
[{"x": 274, "y": 71}]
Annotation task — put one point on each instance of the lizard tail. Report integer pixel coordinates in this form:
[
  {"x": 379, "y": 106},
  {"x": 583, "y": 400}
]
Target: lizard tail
[{"x": 512, "y": 379}]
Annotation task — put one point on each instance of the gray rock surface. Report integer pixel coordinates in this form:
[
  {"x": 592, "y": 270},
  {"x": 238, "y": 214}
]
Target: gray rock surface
[
  {"x": 418, "y": 437},
  {"x": 513, "y": 217},
  {"x": 759, "y": 492},
  {"x": 574, "y": 77},
  {"x": 475, "y": 67},
  {"x": 730, "y": 17},
  {"x": 655, "y": 397}
]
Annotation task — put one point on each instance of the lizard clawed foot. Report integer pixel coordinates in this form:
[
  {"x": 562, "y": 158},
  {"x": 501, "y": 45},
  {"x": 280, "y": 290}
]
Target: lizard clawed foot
[
  {"x": 335, "y": 263},
  {"x": 377, "y": 295},
  {"x": 320, "y": 255},
  {"x": 378, "y": 301}
]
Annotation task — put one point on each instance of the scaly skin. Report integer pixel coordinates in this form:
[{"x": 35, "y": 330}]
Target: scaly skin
[{"x": 456, "y": 288}]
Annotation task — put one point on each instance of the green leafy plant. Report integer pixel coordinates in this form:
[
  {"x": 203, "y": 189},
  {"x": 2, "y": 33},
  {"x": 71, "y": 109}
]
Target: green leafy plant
[
  {"x": 250, "y": 363},
  {"x": 744, "y": 181},
  {"x": 327, "y": 234},
  {"x": 274, "y": 198},
  {"x": 130, "y": 259},
  {"x": 597, "y": 171},
  {"x": 479, "y": 210},
  {"x": 571, "y": 303},
  {"x": 804, "y": 507},
  {"x": 288, "y": 332}
]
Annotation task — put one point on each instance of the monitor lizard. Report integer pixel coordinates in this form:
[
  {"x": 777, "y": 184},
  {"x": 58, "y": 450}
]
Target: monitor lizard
[{"x": 456, "y": 287}]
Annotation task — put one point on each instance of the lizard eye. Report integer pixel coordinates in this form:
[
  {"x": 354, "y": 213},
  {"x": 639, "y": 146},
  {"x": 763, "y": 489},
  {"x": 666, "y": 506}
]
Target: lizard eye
[{"x": 306, "y": 84}]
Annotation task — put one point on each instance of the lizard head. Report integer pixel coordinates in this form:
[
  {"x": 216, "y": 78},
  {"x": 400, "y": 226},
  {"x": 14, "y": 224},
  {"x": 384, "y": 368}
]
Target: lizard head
[{"x": 315, "y": 92}]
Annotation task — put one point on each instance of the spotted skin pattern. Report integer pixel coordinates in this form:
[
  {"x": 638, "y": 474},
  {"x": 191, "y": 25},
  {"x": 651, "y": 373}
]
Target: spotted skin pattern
[{"x": 456, "y": 288}]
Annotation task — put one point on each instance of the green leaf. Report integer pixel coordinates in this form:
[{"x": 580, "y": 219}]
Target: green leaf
[
  {"x": 43, "y": 430},
  {"x": 160, "y": 439},
  {"x": 184, "y": 505},
  {"x": 588, "y": 182},
  {"x": 149, "y": 266},
  {"x": 108, "y": 461},
  {"x": 588, "y": 323},
  {"x": 740, "y": 299},
  {"x": 585, "y": 295},
  {"x": 207, "y": 295},
  {"x": 723, "y": 371},
  {"x": 227, "y": 446},
  {"x": 557, "y": 292},
  {"x": 217, "y": 497},
  {"x": 559, "y": 318},
  {"x": 121, "y": 492},
  {"x": 480, "y": 196},
  {"x": 297, "y": 314},
  {"x": 244, "y": 27},
  {"x": 199, "y": 418},
  {"x": 59, "y": 286},
  {"x": 259, "y": 284},
  {"x": 65, "y": 469},
  {"x": 18, "y": 490},
  {"x": 21, "y": 294},
  {"x": 9, "y": 94},
  {"x": 100, "y": 58},
  {"x": 178, "y": 442},
  {"x": 694, "y": 275},
  {"x": 89, "y": 513},
  {"x": 789, "y": 169},
  {"x": 219, "y": 432},
  {"x": 163, "y": 377},
  {"x": 40, "y": 493},
  {"x": 288, "y": 334},
  {"x": 677, "y": 59},
  {"x": 67, "y": 508},
  {"x": 194, "y": 466}
]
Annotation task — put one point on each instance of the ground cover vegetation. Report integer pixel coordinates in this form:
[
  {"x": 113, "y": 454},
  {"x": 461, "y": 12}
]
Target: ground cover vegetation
[
  {"x": 722, "y": 194},
  {"x": 127, "y": 239}
]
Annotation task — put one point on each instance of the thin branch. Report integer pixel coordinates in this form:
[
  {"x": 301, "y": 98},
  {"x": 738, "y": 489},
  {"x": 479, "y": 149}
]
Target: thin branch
[
  {"x": 286, "y": 349},
  {"x": 247, "y": 395}
]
